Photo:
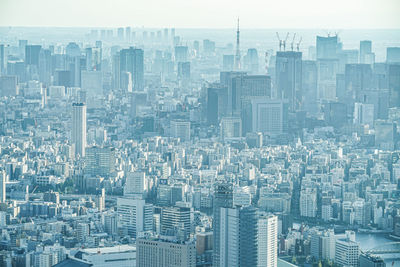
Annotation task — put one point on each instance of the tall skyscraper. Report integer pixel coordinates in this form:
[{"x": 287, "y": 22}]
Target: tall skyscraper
[
  {"x": 288, "y": 72},
  {"x": 78, "y": 135},
  {"x": 2, "y": 59},
  {"x": 238, "y": 237},
  {"x": 32, "y": 54},
  {"x": 327, "y": 47},
  {"x": 365, "y": 50},
  {"x": 132, "y": 60},
  {"x": 223, "y": 198},
  {"x": 2, "y": 186},
  {"x": 308, "y": 202},
  {"x": 237, "y": 56},
  {"x": 181, "y": 53},
  {"x": 267, "y": 248}
]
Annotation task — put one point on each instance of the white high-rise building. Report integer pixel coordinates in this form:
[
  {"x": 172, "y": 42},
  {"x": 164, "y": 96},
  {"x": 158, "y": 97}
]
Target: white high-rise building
[
  {"x": 229, "y": 237},
  {"x": 78, "y": 135},
  {"x": 328, "y": 241},
  {"x": 267, "y": 254},
  {"x": 2, "y": 186},
  {"x": 134, "y": 215},
  {"x": 308, "y": 203},
  {"x": 135, "y": 184},
  {"x": 347, "y": 251}
]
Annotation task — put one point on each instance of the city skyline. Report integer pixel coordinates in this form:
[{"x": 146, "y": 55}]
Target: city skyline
[{"x": 183, "y": 147}]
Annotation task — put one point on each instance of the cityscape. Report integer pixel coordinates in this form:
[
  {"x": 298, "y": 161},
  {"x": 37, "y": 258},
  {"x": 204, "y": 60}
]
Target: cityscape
[{"x": 198, "y": 147}]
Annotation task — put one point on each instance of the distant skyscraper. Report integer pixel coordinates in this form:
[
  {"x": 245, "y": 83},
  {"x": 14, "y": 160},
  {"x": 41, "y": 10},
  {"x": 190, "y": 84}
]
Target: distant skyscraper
[
  {"x": 32, "y": 54},
  {"x": 288, "y": 71},
  {"x": 78, "y": 135},
  {"x": 237, "y": 56},
  {"x": 365, "y": 50},
  {"x": 216, "y": 103},
  {"x": 363, "y": 114},
  {"x": 327, "y": 47},
  {"x": 393, "y": 74},
  {"x": 393, "y": 55},
  {"x": 131, "y": 60},
  {"x": 251, "y": 61},
  {"x": 267, "y": 247},
  {"x": 120, "y": 33},
  {"x": 269, "y": 116},
  {"x": 181, "y": 53},
  {"x": 309, "y": 86},
  {"x": 223, "y": 198},
  {"x": 2, "y": 59},
  {"x": 228, "y": 62}
]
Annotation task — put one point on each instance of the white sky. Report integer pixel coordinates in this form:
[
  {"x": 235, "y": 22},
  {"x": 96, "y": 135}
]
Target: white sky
[{"x": 318, "y": 14}]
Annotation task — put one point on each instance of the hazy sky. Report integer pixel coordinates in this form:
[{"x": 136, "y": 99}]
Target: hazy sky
[{"x": 321, "y": 14}]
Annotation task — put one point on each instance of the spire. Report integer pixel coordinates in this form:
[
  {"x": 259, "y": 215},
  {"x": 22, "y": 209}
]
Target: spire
[{"x": 237, "y": 57}]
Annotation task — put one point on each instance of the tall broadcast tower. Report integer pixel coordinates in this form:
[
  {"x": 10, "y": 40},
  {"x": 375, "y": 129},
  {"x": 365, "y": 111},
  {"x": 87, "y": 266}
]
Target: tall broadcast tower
[{"x": 237, "y": 57}]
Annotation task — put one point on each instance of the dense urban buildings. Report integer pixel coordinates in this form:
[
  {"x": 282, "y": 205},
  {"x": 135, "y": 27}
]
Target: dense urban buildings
[{"x": 134, "y": 146}]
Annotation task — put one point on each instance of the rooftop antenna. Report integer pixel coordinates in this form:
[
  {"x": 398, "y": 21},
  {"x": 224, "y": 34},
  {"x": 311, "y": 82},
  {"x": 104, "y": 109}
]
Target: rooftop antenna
[
  {"x": 298, "y": 44},
  {"x": 284, "y": 42},
  {"x": 291, "y": 44},
  {"x": 280, "y": 41},
  {"x": 237, "y": 57}
]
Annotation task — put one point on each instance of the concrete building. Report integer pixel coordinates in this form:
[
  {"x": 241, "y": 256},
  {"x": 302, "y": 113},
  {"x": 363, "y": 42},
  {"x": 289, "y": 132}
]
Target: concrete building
[
  {"x": 135, "y": 185},
  {"x": 347, "y": 251},
  {"x": 134, "y": 216},
  {"x": 267, "y": 245},
  {"x": 181, "y": 129},
  {"x": 269, "y": 116},
  {"x": 122, "y": 256},
  {"x": 160, "y": 253},
  {"x": 78, "y": 135}
]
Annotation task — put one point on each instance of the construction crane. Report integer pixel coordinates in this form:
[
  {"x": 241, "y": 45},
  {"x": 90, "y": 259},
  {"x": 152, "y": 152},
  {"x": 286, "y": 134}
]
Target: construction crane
[
  {"x": 298, "y": 44},
  {"x": 280, "y": 41},
  {"x": 291, "y": 44},
  {"x": 284, "y": 42}
]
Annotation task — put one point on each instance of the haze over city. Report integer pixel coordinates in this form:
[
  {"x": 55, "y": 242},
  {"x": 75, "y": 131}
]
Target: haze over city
[{"x": 199, "y": 133}]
